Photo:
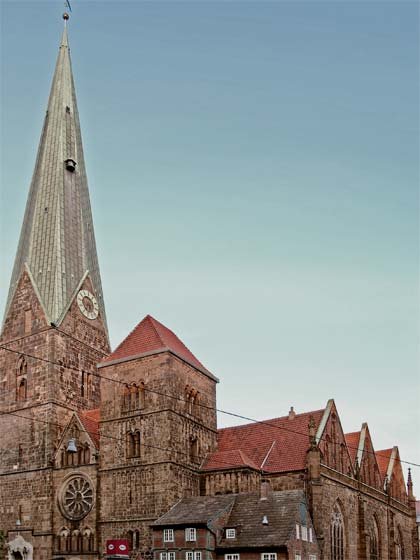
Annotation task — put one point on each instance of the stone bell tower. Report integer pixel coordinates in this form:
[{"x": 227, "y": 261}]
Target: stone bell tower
[{"x": 54, "y": 331}]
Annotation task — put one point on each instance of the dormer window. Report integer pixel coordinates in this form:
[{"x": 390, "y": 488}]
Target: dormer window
[{"x": 231, "y": 533}]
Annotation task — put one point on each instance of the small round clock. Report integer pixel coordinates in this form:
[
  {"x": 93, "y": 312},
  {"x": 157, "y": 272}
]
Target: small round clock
[{"x": 87, "y": 304}]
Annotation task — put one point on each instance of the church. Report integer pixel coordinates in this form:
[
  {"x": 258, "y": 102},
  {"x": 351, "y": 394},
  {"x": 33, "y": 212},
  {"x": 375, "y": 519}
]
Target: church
[{"x": 100, "y": 445}]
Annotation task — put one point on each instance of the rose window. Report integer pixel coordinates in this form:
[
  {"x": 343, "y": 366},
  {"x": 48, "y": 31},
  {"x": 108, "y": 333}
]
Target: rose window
[{"x": 77, "y": 498}]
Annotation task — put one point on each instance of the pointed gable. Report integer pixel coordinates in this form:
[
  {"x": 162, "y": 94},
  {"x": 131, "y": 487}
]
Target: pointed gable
[
  {"x": 151, "y": 337},
  {"x": 352, "y": 441},
  {"x": 332, "y": 442},
  {"x": 390, "y": 466},
  {"x": 90, "y": 420},
  {"x": 276, "y": 445}
]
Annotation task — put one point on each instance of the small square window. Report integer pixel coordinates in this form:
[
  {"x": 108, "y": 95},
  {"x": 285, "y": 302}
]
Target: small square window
[
  {"x": 197, "y": 555},
  {"x": 168, "y": 535},
  {"x": 171, "y": 555},
  {"x": 189, "y": 555},
  {"x": 231, "y": 533},
  {"x": 190, "y": 534}
]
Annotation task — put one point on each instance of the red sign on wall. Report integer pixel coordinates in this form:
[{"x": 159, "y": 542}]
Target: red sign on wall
[{"x": 120, "y": 547}]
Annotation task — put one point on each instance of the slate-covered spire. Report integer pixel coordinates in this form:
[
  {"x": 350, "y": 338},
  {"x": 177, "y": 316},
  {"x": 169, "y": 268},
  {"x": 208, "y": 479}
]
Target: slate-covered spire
[{"x": 57, "y": 243}]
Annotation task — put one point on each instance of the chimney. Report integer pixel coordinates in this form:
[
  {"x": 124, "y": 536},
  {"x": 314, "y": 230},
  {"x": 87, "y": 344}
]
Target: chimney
[
  {"x": 265, "y": 489},
  {"x": 292, "y": 413}
]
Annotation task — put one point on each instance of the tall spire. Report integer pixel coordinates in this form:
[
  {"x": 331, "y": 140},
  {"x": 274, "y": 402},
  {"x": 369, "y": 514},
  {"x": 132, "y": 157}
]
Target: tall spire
[{"x": 57, "y": 243}]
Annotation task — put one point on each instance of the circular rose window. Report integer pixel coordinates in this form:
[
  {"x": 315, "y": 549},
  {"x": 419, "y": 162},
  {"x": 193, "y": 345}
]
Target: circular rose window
[{"x": 76, "y": 498}]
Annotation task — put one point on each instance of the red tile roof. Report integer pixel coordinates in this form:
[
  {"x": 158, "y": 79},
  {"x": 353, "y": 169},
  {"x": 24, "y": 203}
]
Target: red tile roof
[
  {"x": 90, "y": 420},
  {"x": 383, "y": 458},
  {"x": 229, "y": 459},
  {"x": 352, "y": 441},
  {"x": 276, "y": 445},
  {"x": 151, "y": 336}
]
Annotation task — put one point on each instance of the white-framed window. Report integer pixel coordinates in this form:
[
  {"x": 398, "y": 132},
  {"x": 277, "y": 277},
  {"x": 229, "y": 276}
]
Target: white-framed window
[
  {"x": 304, "y": 530},
  {"x": 197, "y": 555},
  {"x": 190, "y": 534},
  {"x": 168, "y": 536},
  {"x": 311, "y": 539},
  {"x": 269, "y": 556},
  {"x": 189, "y": 555},
  {"x": 231, "y": 533},
  {"x": 312, "y": 557},
  {"x": 232, "y": 556},
  {"x": 297, "y": 531},
  {"x": 298, "y": 557},
  {"x": 167, "y": 556}
]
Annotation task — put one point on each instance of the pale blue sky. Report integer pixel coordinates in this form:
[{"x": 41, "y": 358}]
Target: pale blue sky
[{"x": 254, "y": 172}]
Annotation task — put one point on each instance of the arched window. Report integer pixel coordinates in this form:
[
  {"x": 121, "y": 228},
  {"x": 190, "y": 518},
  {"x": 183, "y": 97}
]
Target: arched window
[
  {"x": 374, "y": 541},
  {"x": 136, "y": 539},
  {"x": 21, "y": 392},
  {"x": 133, "y": 444},
  {"x": 399, "y": 545},
  {"x": 86, "y": 454},
  {"x": 88, "y": 540},
  {"x": 142, "y": 398},
  {"x": 193, "y": 449},
  {"x": 134, "y": 397},
  {"x": 337, "y": 534},
  {"x": 63, "y": 540}
]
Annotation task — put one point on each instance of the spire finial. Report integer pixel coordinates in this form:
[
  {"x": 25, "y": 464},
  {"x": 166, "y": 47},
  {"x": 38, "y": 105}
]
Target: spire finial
[{"x": 66, "y": 16}]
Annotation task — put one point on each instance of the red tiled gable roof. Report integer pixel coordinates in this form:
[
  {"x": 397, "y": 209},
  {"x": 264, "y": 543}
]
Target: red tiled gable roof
[
  {"x": 229, "y": 459},
  {"x": 90, "y": 420},
  {"x": 151, "y": 336},
  {"x": 383, "y": 458},
  {"x": 352, "y": 441},
  {"x": 276, "y": 445}
]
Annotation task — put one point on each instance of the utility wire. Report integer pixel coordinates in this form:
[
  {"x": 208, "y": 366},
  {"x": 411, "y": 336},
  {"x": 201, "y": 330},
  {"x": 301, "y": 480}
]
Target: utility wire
[{"x": 215, "y": 409}]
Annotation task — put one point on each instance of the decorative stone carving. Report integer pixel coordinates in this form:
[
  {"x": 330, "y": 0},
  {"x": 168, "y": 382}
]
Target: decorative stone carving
[
  {"x": 19, "y": 549},
  {"x": 76, "y": 497}
]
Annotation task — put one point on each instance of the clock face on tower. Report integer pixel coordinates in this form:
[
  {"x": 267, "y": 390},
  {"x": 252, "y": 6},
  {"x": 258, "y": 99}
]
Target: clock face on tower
[{"x": 87, "y": 304}]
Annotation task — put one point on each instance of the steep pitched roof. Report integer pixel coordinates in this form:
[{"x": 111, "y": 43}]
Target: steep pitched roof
[
  {"x": 282, "y": 510},
  {"x": 197, "y": 509},
  {"x": 276, "y": 445},
  {"x": 57, "y": 242},
  {"x": 229, "y": 459},
  {"x": 352, "y": 441},
  {"x": 90, "y": 420},
  {"x": 246, "y": 512},
  {"x": 149, "y": 337},
  {"x": 383, "y": 457}
]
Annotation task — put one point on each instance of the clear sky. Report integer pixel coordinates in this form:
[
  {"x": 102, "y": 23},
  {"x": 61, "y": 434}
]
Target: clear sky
[{"x": 254, "y": 174}]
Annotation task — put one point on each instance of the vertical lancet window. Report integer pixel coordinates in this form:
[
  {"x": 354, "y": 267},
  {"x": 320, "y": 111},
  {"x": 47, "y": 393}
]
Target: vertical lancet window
[{"x": 337, "y": 535}]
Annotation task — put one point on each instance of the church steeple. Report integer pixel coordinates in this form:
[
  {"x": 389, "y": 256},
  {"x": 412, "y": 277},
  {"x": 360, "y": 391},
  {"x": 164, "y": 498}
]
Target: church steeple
[{"x": 57, "y": 244}]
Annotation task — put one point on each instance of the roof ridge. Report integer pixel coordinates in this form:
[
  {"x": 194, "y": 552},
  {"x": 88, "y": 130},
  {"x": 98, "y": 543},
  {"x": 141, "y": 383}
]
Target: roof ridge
[
  {"x": 255, "y": 422},
  {"x": 152, "y": 321}
]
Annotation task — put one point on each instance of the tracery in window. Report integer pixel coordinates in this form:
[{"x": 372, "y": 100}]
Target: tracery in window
[
  {"x": 337, "y": 534},
  {"x": 374, "y": 541}
]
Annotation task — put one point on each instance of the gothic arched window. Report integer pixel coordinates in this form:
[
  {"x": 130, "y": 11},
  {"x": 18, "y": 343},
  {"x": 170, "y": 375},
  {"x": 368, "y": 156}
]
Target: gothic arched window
[
  {"x": 21, "y": 379},
  {"x": 21, "y": 390},
  {"x": 337, "y": 534},
  {"x": 374, "y": 541},
  {"x": 399, "y": 545}
]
